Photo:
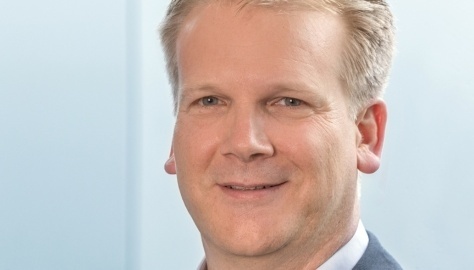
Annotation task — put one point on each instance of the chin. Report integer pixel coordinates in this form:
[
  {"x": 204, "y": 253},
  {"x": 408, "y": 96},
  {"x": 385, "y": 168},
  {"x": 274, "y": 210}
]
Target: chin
[
  {"x": 251, "y": 240},
  {"x": 252, "y": 248}
]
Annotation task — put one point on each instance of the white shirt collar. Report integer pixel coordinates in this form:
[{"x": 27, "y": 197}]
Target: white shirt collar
[
  {"x": 202, "y": 265},
  {"x": 345, "y": 258},
  {"x": 348, "y": 256}
]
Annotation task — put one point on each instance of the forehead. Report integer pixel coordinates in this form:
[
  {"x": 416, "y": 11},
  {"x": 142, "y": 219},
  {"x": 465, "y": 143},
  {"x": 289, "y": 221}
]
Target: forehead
[
  {"x": 218, "y": 16},
  {"x": 259, "y": 41}
]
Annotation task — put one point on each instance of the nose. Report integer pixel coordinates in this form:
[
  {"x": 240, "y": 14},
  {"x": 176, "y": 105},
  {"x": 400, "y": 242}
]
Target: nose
[{"x": 246, "y": 138}]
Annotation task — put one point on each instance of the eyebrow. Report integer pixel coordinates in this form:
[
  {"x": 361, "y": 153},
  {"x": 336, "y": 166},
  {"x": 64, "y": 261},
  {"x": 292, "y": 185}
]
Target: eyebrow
[
  {"x": 293, "y": 87},
  {"x": 283, "y": 86},
  {"x": 199, "y": 87},
  {"x": 186, "y": 90},
  {"x": 300, "y": 88}
]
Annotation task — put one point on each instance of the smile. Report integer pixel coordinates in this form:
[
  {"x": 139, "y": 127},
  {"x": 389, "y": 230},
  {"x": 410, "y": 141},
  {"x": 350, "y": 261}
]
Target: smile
[{"x": 242, "y": 188}]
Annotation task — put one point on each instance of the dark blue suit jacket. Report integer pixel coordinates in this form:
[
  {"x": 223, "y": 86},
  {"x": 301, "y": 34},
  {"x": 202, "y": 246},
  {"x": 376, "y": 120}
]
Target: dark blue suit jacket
[{"x": 376, "y": 257}]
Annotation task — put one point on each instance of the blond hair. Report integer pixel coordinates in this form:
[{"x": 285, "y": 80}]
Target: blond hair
[{"x": 367, "y": 57}]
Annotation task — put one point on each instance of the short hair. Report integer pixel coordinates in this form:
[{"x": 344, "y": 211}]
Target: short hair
[{"x": 367, "y": 56}]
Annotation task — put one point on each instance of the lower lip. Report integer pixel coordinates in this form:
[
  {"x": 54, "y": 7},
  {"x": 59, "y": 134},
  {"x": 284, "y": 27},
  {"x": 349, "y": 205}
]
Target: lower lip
[{"x": 251, "y": 195}]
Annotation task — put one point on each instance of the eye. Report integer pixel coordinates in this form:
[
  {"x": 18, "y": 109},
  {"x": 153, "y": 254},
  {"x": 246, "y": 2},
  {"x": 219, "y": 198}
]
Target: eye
[
  {"x": 209, "y": 101},
  {"x": 290, "y": 102}
]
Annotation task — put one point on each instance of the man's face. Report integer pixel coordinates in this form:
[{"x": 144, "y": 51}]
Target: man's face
[{"x": 264, "y": 147}]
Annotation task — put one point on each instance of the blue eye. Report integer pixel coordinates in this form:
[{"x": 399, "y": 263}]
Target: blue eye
[
  {"x": 292, "y": 102},
  {"x": 209, "y": 101}
]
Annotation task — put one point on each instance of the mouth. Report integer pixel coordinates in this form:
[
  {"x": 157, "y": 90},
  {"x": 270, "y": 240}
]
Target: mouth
[
  {"x": 246, "y": 193},
  {"x": 250, "y": 188}
]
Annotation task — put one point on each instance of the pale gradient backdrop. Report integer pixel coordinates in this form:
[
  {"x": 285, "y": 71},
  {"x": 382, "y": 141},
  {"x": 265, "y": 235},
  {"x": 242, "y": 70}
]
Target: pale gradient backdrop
[{"x": 86, "y": 123}]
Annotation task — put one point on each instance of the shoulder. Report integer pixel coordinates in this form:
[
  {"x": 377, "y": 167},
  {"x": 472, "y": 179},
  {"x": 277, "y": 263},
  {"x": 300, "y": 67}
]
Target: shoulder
[{"x": 376, "y": 257}]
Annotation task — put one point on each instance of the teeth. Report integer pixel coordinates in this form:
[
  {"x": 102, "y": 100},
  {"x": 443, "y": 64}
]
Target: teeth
[{"x": 248, "y": 188}]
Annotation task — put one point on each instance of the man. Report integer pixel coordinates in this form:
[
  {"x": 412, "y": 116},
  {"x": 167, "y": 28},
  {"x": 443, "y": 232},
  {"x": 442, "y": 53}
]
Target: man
[{"x": 277, "y": 110}]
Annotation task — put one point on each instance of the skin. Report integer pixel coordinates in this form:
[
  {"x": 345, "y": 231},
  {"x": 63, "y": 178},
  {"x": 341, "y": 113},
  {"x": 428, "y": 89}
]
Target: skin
[{"x": 261, "y": 103}]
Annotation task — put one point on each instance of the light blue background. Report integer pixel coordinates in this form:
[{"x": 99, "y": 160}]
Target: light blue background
[{"x": 86, "y": 123}]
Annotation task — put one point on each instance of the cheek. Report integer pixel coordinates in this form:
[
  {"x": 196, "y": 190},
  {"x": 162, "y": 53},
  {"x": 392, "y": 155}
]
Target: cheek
[
  {"x": 194, "y": 145},
  {"x": 307, "y": 145},
  {"x": 308, "y": 150},
  {"x": 324, "y": 157}
]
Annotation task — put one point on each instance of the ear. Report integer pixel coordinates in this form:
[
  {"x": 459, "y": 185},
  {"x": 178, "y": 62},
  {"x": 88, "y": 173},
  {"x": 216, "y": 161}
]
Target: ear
[
  {"x": 371, "y": 125},
  {"x": 170, "y": 165}
]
